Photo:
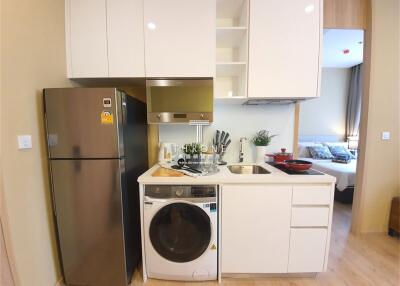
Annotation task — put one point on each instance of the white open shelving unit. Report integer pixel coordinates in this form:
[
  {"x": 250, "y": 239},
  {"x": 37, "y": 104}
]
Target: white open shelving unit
[{"x": 232, "y": 48}]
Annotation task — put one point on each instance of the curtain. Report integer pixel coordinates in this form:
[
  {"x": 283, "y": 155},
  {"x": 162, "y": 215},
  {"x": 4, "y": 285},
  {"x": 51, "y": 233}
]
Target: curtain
[{"x": 354, "y": 102}]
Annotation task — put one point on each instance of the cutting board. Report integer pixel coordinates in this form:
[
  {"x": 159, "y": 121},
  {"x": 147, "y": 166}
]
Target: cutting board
[{"x": 163, "y": 172}]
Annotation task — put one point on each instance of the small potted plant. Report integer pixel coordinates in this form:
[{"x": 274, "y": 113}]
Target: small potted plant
[
  {"x": 261, "y": 140},
  {"x": 193, "y": 151}
]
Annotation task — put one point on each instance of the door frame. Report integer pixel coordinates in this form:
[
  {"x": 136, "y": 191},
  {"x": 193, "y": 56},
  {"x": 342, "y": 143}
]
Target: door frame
[{"x": 358, "y": 200}]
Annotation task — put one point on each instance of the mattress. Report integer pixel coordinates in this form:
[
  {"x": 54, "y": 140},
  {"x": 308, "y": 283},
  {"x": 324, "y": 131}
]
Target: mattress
[{"x": 345, "y": 173}]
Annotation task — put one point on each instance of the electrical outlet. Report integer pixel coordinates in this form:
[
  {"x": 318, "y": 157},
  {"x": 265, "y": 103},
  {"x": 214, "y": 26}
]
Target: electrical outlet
[
  {"x": 24, "y": 141},
  {"x": 385, "y": 135}
]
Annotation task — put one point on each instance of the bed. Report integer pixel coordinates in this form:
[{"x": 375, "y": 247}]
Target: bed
[{"x": 345, "y": 173}]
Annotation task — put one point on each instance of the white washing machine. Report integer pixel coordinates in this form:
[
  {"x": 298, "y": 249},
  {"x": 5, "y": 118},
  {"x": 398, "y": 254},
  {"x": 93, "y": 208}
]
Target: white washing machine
[{"x": 181, "y": 227}]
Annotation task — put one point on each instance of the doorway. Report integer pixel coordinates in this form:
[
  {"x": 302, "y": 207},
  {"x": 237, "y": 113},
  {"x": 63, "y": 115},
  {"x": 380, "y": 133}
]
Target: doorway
[{"x": 329, "y": 126}]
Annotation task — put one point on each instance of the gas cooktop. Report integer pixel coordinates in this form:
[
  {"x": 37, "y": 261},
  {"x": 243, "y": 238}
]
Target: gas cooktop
[{"x": 290, "y": 172}]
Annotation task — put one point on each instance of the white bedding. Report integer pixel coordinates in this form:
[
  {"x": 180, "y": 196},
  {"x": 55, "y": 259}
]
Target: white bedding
[{"x": 345, "y": 173}]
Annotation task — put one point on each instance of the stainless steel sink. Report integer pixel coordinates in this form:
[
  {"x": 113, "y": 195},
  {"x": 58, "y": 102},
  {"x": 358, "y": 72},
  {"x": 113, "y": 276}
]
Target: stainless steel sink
[{"x": 247, "y": 169}]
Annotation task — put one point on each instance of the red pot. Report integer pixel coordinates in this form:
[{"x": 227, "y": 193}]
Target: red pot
[
  {"x": 297, "y": 165},
  {"x": 281, "y": 157}
]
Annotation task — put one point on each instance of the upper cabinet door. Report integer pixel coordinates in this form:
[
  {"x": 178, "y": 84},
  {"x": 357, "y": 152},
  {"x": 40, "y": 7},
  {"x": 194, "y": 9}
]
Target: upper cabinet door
[
  {"x": 125, "y": 38},
  {"x": 86, "y": 38},
  {"x": 180, "y": 38},
  {"x": 284, "y": 48}
]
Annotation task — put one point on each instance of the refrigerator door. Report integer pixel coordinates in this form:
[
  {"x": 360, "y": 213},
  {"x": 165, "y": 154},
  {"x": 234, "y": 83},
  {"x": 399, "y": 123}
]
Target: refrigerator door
[
  {"x": 83, "y": 122},
  {"x": 88, "y": 206}
]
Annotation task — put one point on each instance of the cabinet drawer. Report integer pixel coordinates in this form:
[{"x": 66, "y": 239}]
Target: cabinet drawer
[
  {"x": 310, "y": 216},
  {"x": 307, "y": 250},
  {"x": 311, "y": 195}
]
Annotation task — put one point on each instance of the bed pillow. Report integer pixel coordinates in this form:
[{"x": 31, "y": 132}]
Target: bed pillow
[
  {"x": 303, "y": 151},
  {"x": 340, "y": 151},
  {"x": 320, "y": 152},
  {"x": 344, "y": 144}
]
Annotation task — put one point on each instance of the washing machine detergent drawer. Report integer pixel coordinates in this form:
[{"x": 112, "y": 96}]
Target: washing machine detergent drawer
[{"x": 181, "y": 238}]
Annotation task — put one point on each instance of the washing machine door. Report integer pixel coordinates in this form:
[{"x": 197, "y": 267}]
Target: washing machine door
[{"x": 180, "y": 232}]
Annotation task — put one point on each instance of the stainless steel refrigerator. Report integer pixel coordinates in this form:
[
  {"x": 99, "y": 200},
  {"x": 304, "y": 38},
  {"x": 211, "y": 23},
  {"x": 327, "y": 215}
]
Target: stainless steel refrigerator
[{"x": 97, "y": 148}]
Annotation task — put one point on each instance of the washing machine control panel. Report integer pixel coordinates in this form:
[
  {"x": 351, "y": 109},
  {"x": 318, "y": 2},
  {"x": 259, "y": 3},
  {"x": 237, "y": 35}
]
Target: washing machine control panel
[{"x": 180, "y": 191}]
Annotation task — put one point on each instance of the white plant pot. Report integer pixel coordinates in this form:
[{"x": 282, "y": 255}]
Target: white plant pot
[{"x": 260, "y": 154}]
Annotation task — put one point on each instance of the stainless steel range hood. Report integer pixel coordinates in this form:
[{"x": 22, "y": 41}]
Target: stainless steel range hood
[{"x": 179, "y": 100}]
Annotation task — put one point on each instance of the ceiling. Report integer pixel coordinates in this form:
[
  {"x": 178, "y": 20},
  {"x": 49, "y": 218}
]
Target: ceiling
[{"x": 342, "y": 48}]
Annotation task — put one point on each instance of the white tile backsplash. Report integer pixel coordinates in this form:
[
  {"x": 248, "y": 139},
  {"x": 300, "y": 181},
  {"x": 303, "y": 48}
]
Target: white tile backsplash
[{"x": 240, "y": 121}]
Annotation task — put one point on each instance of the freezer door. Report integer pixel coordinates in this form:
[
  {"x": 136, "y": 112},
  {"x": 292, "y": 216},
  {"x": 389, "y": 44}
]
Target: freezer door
[
  {"x": 83, "y": 122},
  {"x": 87, "y": 196}
]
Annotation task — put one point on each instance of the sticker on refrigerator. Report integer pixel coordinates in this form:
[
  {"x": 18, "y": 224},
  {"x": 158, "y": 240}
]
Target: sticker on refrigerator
[
  {"x": 107, "y": 117},
  {"x": 107, "y": 102}
]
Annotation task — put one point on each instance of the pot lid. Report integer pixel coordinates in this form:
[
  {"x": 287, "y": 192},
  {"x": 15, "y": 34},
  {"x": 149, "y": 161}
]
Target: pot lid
[{"x": 283, "y": 152}]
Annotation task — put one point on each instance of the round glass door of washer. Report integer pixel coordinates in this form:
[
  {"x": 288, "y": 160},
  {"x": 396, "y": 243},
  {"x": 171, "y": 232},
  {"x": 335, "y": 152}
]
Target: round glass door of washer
[{"x": 180, "y": 232}]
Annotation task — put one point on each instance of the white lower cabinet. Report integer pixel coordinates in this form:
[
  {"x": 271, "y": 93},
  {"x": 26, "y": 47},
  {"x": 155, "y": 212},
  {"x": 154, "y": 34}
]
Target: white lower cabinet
[
  {"x": 255, "y": 228},
  {"x": 310, "y": 216},
  {"x": 307, "y": 250},
  {"x": 275, "y": 228}
]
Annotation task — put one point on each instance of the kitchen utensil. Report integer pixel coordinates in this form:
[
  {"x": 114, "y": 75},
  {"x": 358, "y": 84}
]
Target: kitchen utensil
[
  {"x": 227, "y": 143},
  {"x": 183, "y": 166},
  {"x": 208, "y": 165},
  {"x": 164, "y": 172},
  {"x": 297, "y": 165},
  {"x": 226, "y": 138},
  {"x": 167, "y": 152},
  {"x": 222, "y": 153},
  {"x": 282, "y": 156},
  {"x": 221, "y": 140},
  {"x": 220, "y": 144}
]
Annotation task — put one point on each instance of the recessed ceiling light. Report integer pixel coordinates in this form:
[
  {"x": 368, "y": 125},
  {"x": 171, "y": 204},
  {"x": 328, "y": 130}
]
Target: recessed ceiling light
[
  {"x": 309, "y": 9},
  {"x": 151, "y": 26}
]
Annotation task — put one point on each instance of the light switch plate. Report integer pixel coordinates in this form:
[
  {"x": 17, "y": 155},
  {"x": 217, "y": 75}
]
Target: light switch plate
[
  {"x": 24, "y": 141},
  {"x": 385, "y": 135}
]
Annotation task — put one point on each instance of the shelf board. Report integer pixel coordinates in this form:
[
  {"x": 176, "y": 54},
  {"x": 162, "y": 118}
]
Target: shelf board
[
  {"x": 229, "y": 37},
  {"x": 231, "y": 97},
  {"x": 224, "y": 28},
  {"x": 231, "y": 63},
  {"x": 230, "y": 87},
  {"x": 230, "y": 68}
]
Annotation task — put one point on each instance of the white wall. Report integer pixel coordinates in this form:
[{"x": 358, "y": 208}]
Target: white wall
[
  {"x": 32, "y": 57},
  {"x": 240, "y": 121},
  {"x": 327, "y": 115},
  {"x": 380, "y": 179}
]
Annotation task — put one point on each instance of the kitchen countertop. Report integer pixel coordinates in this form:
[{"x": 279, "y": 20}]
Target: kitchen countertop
[{"x": 224, "y": 176}]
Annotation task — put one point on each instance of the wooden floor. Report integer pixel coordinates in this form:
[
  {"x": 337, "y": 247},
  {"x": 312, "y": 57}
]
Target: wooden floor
[{"x": 372, "y": 259}]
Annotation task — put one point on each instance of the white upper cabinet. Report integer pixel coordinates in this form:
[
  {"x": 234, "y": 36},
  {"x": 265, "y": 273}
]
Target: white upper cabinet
[
  {"x": 284, "y": 48},
  {"x": 125, "y": 38},
  {"x": 86, "y": 38},
  {"x": 104, "y": 38},
  {"x": 180, "y": 38}
]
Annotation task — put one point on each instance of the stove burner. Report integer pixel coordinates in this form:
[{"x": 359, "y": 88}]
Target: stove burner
[{"x": 290, "y": 172}]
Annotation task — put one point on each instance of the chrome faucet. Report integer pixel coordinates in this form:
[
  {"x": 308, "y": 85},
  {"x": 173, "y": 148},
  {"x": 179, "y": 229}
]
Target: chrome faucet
[{"x": 241, "y": 149}]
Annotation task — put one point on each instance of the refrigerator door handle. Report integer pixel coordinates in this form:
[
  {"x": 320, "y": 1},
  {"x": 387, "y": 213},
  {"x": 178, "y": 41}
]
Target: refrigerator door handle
[
  {"x": 53, "y": 199},
  {"x": 54, "y": 203}
]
